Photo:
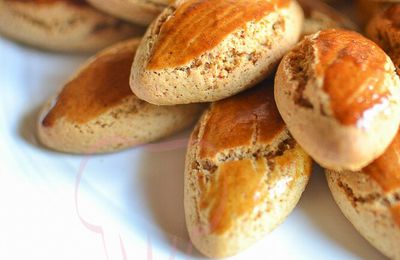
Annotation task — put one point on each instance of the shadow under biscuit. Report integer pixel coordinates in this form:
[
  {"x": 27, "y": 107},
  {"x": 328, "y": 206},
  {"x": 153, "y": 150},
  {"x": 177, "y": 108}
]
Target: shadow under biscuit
[
  {"x": 27, "y": 127},
  {"x": 162, "y": 171},
  {"x": 318, "y": 205}
]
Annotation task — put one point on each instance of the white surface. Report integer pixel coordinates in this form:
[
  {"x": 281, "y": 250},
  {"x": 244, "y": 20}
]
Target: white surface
[{"x": 133, "y": 198}]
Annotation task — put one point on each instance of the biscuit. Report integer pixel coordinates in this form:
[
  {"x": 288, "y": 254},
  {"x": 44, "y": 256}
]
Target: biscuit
[
  {"x": 62, "y": 25},
  {"x": 207, "y": 50},
  {"x": 244, "y": 173},
  {"x": 96, "y": 112},
  {"x": 339, "y": 95},
  {"x": 370, "y": 199}
]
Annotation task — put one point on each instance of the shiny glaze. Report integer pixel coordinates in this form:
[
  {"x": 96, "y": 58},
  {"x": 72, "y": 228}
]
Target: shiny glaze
[
  {"x": 239, "y": 188},
  {"x": 386, "y": 171},
  {"x": 199, "y": 25},
  {"x": 234, "y": 121},
  {"x": 75, "y": 2},
  {"x": 353, "y": 71},
  {"x": 99, "y": 87},
  {"x": 232, "y": 193}
]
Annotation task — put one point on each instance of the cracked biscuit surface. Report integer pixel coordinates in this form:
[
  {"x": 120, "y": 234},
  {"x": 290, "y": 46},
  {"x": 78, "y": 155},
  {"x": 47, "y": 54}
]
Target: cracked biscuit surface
[
  {"x": 207, "y": 50},
  {"x": 370, "y": 199},
  {"x": 338, "y": 92},
  {"x": 244, "y": 173},
  {"x": 96, "y": 111}
]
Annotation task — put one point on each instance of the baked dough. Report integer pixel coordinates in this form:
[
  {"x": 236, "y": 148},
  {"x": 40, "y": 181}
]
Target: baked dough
[
  {"x": 339, "y": 95},
  {"x": 370, "y": 199},
  {"x": 96, "y": 111},
  {"x": 244, "y": 173},
  {"x": 207, "y": 50},
  {"x": 62, "y": 25}
]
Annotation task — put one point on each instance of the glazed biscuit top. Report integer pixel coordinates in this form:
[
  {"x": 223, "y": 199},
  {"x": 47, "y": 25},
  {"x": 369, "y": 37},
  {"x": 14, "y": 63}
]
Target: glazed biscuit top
[
  {"x": 197, "y": 26},
  {"x": 234, "y": 122},
  {"x": 240, "y": 188},
  {"x": 235, "y": 178},
  {"x": 75, "y": 2},
  {"x": 240, "y": 185},
  {"x": 100, "y": 86},
  {"x": 353, "y": 70}
]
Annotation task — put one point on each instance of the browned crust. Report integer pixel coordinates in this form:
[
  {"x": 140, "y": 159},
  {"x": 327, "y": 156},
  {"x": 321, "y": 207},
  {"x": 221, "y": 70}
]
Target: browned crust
[
  {"x": 98, "y": 87},
  {"x": 353, "y": 68},
  {"x": 243, "y": 120},
  {"x": 338, "y": 93},
  {"x": 190, "y": 30},
  {"x": 222, "y": 179}
]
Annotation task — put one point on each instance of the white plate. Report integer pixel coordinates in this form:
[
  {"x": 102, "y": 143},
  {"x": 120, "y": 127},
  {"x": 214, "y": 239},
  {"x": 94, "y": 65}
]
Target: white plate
[{"x": 127, "y": 205}]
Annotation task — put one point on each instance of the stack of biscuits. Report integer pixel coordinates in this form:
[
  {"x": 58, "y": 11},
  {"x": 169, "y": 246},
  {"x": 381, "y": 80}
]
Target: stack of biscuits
[{"x": 268, "y": 86}]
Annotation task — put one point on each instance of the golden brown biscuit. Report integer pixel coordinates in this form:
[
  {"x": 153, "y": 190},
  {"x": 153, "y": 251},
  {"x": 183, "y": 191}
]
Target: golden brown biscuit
[
  {"x": 206, "y": 50},
  {"x": 370, "y": 199},
  {"x": 244, "y": 173},
  {"x": 96, "y": 112},
  {"x": 62, "y": 25},
  {"x": 137, "y": 11},
  {"x": 339, "y": 94},
  {"x": 384, "y": 29}
]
